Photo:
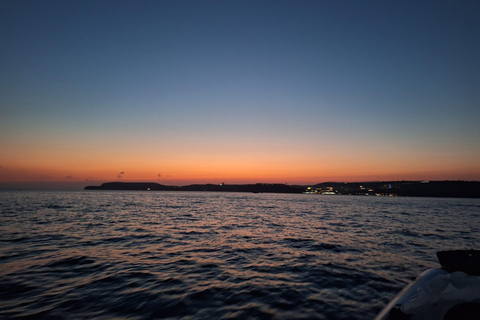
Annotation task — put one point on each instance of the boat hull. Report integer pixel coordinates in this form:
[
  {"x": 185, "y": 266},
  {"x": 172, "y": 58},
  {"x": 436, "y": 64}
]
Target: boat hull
[{"x": 452, "y": 292}]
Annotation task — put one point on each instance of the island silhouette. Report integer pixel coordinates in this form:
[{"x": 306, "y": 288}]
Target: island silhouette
[{"x": 453, "y": 189}]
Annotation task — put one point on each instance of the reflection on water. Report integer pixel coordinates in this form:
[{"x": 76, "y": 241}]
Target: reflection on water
[{"x": 143, "y": 255}]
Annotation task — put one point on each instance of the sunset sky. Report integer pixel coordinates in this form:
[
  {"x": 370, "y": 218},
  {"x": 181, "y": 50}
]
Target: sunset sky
[{"x": 180, "y": 92}]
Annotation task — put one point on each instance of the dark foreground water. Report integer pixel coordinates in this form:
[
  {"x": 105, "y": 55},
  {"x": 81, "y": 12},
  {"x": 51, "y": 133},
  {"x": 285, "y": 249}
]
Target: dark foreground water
[{"x": 145, "y": 255}]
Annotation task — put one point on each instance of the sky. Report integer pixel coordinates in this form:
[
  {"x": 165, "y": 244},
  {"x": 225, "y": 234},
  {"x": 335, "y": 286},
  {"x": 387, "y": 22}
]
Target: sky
[{"x": 180, "y": 92}]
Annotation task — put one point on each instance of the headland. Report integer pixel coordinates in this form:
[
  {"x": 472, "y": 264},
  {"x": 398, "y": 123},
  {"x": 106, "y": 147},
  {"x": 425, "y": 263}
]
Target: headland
[{"x": 452, "y": 189}]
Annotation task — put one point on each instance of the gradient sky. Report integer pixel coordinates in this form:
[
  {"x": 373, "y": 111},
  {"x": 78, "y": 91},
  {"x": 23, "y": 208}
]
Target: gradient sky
[{"x": 182, "y": 92}]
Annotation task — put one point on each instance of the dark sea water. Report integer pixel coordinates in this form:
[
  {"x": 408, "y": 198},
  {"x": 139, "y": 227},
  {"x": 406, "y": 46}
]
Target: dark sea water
[{"x": 168, "y": 255}]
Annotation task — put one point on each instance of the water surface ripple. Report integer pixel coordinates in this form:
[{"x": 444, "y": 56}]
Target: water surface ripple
[{"x": 168, "y": 255}]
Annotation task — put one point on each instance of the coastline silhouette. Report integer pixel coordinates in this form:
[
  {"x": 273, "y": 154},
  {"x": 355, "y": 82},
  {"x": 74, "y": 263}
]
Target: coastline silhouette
[{"x": 454, "y": 189}]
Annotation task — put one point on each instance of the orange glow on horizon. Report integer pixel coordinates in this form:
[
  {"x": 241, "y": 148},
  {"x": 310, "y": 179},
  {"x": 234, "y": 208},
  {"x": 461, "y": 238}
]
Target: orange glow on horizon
[
  {"x": 231, "y": 164},
  {"x": 217, "y": 172}
]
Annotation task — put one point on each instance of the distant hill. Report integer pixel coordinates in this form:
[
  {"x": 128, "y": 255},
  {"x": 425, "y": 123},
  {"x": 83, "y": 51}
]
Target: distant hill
[
  {"x": 130, "y": 186},
  {"x": 453, "y": 189},
  {"x": 258, "y": 187}
]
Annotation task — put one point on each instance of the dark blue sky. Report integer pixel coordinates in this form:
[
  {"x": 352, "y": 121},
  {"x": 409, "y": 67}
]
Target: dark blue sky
[{"x": 373, "y": 89}]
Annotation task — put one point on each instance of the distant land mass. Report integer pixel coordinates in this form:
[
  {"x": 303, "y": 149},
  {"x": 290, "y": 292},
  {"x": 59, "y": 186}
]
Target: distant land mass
[
  {"x": 151, "y": 186},
  {"x": 448, "y": 189}
]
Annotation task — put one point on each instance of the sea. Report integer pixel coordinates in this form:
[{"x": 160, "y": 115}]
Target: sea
[{"x": 208, "y": 255}]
